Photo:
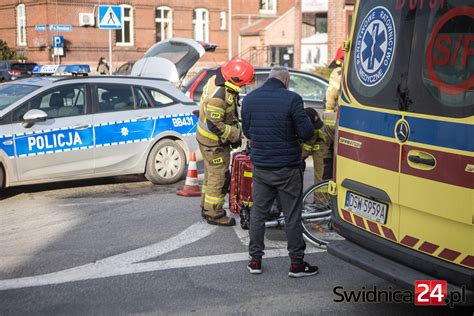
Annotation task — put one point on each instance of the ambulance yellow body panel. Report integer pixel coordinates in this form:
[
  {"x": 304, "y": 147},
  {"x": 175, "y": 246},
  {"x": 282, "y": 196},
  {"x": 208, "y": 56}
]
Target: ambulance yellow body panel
[{"x": 403, "y": 191}]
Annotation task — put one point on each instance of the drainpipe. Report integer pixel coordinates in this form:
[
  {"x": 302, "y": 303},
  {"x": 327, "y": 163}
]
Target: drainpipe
[{"x": 229, "y": 39}]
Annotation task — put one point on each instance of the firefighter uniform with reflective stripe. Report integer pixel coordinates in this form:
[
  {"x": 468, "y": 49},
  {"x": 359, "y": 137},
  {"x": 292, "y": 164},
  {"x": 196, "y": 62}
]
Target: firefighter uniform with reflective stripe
[
  {"x": 218, "y": 128},
  {"x": 317, "y": 147},
  {"x": 329, "y": 116},
  {"x": 332, "y": 96},
  {"x": 332, "y": 93}
]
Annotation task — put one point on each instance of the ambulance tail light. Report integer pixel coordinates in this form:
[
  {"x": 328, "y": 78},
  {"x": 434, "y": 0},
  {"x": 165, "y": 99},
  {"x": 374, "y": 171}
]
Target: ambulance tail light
[{"x": 336, "y": 145}]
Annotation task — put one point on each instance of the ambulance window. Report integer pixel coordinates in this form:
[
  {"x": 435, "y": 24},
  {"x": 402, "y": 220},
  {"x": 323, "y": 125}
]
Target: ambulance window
[
  {"x": 380, "y": 53},
  {"x": 59, "y": 102},
  {"x": 442, "y": 61}
]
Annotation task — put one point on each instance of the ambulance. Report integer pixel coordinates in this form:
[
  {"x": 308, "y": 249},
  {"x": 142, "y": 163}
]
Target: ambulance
[{"x": 403, "y": 184}]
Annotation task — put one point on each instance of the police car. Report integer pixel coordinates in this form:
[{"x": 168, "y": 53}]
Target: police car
[{"x": 62, "y": 128}]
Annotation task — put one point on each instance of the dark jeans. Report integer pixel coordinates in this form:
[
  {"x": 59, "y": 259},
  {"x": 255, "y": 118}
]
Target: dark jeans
[{"x": 287, "y": 184}]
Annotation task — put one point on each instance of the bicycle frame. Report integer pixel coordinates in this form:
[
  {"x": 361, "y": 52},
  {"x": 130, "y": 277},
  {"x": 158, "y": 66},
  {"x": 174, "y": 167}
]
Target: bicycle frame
[{"x": 314, "y": 217}]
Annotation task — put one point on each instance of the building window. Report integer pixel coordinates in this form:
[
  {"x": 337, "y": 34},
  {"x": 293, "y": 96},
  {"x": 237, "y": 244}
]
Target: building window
[
  {"x": 125, "y": 35},
  {"x": 21, "y": 24},
  {"x": 223, "y": 20},
  {"x": 268, "y": 6},
  {"x": 201, "y": 25},
  {"x": 164, "y": 23},
  {"x": 314, "y": 23}
]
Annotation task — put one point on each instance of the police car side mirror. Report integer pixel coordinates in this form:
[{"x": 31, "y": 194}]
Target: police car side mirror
[{"x": 34, "y": 116}]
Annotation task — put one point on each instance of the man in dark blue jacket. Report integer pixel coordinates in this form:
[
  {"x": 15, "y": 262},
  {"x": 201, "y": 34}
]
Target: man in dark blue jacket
[{"x": 274, "y": 120}]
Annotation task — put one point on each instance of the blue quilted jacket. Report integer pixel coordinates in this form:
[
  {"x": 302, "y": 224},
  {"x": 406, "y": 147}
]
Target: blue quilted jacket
[{"x": 274, "y": 120}]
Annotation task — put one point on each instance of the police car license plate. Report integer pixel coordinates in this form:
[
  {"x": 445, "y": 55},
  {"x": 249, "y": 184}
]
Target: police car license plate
[{"x": 367, "y": 208}]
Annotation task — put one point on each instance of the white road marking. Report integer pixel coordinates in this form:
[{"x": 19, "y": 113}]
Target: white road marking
[
  {"x": 99, "y": 202},
  {"x": 100, "y": 271},
  {"x": 244, "y": 238},
  {"x": 114, "y": 264},
  {"x": 192, "y": 234}
]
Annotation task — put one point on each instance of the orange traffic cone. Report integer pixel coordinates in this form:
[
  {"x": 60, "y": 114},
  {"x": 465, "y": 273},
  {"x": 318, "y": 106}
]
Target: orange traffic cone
[{"x": 191, "y": 186}]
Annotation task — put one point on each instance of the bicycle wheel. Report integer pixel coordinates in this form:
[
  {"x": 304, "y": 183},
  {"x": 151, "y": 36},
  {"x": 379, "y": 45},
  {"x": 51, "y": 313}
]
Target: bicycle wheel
[{"x": 316, "y": 215}]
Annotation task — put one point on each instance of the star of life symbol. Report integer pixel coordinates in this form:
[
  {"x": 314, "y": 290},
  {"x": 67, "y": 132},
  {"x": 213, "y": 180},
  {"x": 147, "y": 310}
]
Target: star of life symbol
[
  {"x": 375, "y": 46},
  {"x": 124, "y": 131}
]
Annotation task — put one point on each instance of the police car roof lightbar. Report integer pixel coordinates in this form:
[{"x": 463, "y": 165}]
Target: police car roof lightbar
[{"x": 62, "y": 70}]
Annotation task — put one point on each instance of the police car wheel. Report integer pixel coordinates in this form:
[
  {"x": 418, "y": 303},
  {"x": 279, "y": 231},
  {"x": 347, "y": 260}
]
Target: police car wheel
[
  {"x": 2, "y": 177},
  {"x": 166, "y": 163}
]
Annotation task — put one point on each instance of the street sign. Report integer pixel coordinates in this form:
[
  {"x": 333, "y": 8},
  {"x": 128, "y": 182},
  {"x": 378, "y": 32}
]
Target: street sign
[
  {"x": 58, "y": 45},
  {"x": 60, "y": 28},
  {"x": 41, "y": 27},
  {"x": 110, "y": 17},
  {"x": 58, "y": 41}
]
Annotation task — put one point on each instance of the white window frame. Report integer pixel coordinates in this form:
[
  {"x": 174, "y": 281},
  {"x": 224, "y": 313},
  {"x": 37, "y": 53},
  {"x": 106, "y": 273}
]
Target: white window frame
[
  {"x": 21, "y": 24},
  {"x": 267, "y": 6},
  {"x": 200, "y": 24},
  {"x": 164, "y": 20},
  {"x": 223, "y": 19},
  {"x": 121, "y": 41}
]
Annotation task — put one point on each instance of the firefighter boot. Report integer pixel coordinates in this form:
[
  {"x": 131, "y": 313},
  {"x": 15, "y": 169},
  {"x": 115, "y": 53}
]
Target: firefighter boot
[{"x": 221, "y": 221}]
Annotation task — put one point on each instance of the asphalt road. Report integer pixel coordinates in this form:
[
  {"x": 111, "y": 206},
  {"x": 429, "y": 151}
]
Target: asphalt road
[{"x": 124, "y": 246}]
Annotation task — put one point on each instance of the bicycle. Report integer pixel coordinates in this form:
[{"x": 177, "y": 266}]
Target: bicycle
[{"x": 315, "y": 216}]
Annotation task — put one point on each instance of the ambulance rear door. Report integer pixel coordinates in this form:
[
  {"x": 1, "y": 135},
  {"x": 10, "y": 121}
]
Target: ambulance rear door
[{"x": 437, "y": 161}]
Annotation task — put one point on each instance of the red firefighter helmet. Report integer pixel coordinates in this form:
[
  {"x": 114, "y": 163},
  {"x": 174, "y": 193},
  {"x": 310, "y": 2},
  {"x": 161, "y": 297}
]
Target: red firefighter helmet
[{"x": 238, "y": 71}]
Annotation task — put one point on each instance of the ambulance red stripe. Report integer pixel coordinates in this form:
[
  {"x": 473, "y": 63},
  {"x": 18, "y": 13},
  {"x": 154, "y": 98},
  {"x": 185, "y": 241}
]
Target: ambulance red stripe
[
  {"x": 389, "y": 233},
  {"x": 449, "y": 254},
  {"x": 450, "y": 168},
  {"x": 409, "y": 241},
  {"x": 373, "y": 228},
  {"x": 372, "y": 151},
  {"x": 359, "y": 221},
  {"x": 468, "y": 261},
  {"x": 347, "y": 216},
  {"x": 428, "y": 247}
]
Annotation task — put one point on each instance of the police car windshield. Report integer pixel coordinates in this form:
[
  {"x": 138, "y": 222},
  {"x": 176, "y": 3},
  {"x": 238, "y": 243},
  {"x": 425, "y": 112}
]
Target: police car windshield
[{"x": 11, "y": 93}]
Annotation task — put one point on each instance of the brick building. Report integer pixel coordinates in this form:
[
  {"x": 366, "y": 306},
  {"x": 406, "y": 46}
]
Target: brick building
[
  {"x": 339, "y": 23},
  {"x": 145, "y": 22},
  {"x": 275, "y": 26}
]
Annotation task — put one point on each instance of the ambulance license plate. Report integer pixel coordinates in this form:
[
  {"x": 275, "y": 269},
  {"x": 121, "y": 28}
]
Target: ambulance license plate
[{"x": 367, "y": 208}]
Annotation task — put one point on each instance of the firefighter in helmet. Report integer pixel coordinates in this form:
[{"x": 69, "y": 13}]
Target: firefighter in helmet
[
  {"x": 320, "y": 146},
  {"x": 218, "y": 132},
  {"x": 330, "y": 109}
]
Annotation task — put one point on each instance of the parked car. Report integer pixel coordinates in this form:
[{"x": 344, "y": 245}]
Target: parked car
[
  {"x": 12, "y": 70},
  {"x": 64, "y": 128},
  {"x": 310, "y": 86},
  {"x": 124, "y": 69},
  {"x": 162, "y": 52}
]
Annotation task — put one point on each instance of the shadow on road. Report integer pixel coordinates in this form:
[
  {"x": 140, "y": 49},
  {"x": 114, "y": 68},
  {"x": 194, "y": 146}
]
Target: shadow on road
[{"x": 13, "y": 191}]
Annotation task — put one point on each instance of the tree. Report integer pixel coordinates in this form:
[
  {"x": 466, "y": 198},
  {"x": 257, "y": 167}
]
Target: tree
[{"x": 5, "y": 51}]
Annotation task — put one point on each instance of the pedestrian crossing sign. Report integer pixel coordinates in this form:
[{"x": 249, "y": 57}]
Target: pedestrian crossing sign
[{"x": 110, "y": 17}]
